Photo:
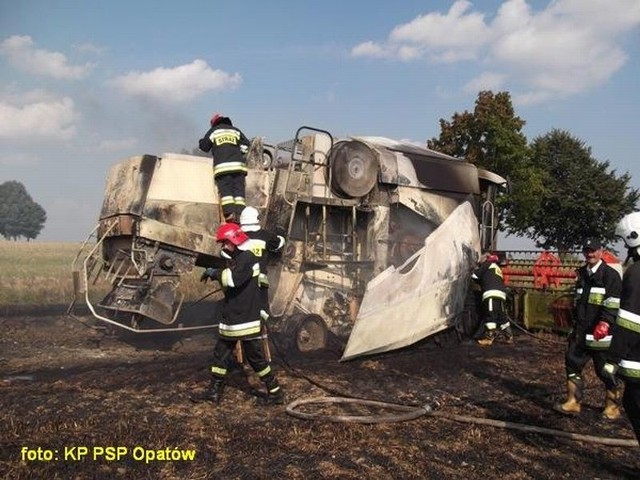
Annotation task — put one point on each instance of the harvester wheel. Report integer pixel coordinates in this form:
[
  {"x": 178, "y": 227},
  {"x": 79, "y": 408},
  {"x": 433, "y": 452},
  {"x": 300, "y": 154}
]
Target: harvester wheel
[{"x": 311, "y": 333}]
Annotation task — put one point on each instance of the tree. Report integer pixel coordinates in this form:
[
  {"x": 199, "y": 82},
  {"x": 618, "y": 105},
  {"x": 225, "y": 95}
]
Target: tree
[
  {"x": 581, "y": 198},
  {"x": 20, "y": 216},
  {"x": 491, "y": 137},
  {"x": 559, "y": 193}
]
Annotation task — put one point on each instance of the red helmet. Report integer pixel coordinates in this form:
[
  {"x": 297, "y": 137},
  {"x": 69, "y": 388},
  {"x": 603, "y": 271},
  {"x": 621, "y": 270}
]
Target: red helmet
[
  {"x": 215, "y": 119},
  {"x": 231, "y": 232}
]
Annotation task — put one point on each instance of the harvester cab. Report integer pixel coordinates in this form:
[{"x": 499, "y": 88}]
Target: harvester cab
[{"x": 380, "y": 233}]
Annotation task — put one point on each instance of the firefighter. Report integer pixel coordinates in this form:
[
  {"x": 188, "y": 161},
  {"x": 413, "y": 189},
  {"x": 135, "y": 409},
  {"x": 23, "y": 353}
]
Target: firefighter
[
  {"x": 597, "y": 299},
  {"x": 240, "y": 319},
  {"x": 494, "y": 318},
  {"x": 228, "y": 146},
  {"x": 624, "y": 352},
  {"x": 263, "y": 243}
]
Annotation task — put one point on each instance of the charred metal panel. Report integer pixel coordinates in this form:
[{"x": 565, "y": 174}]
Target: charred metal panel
[
  {"x": 379, "y": 237},
  {"x": 415, "y": 166},
  {"x": 423, "y": 296},
  {"x": 287, "y": 278},
  {"x": 178, "y": 236},
  {"x": 127, "y": 186},
  {"x": 435, "y": 207}
]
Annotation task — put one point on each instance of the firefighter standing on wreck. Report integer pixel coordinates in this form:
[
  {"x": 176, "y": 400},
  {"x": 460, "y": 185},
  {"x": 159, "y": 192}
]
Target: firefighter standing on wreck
[
  {"x": 494, "y": 319},
  {"x": 597, "y": 299},
  {"x": 228, "y": 146},
  {"x": 240, "y": 318},
  {"x": 624, "y": 352}
]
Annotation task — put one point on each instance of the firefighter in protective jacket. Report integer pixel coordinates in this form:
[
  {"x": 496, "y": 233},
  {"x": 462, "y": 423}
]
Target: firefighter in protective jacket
[
  {"x": 625, "y": 345},
  {"x": 494, "y": 318},
  {"x": 263, "y": 243},
  {"x": 228, "y": 146},
  {"x": 240, "y": 319},
  {"x": 597, "y": 299}
]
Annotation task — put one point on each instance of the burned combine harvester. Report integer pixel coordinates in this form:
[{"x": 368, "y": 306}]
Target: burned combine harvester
[{"x": 381, "y": 239}]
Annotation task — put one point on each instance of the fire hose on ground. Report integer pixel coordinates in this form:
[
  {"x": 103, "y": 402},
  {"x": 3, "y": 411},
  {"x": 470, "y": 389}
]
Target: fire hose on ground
[
  {"x": 402, "y": 413},
  {"x": 407, "y": 412}
]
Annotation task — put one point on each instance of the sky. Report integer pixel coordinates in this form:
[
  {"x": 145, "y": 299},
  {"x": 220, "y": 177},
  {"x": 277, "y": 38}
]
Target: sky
[{"x": 85, "y": 84}]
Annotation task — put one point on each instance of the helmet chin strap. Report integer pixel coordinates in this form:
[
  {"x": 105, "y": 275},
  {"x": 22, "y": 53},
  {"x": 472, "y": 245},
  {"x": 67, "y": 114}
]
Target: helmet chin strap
[{"x": 633, "y": 253}]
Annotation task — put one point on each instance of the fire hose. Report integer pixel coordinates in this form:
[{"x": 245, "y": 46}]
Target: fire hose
[
  {"x": 407, "y": 412},
  {"x": 402, "y": 413}
]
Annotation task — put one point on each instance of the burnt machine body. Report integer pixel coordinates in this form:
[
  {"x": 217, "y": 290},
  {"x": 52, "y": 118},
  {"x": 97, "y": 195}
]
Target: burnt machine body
[{"x": 355, "y": 212}]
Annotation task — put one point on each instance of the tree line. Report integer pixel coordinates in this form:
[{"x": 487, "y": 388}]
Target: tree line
[{"x": 558, "y": 194}]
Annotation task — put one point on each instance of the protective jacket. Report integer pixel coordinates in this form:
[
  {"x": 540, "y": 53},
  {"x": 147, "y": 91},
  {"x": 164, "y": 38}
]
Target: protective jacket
[
  {"x": 489, "y": 277},
  {"x": 625, "y": 346},
  {"x": 597, "y": 298},
  {"x": 261, "y": 243},
  {"x": 241, "y": 306},
  {"x": 227, "y": 145}
]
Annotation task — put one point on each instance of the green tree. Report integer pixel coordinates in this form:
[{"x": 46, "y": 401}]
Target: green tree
[
  {"x": 559, "y": 193},
  {"x": 581, "y": 197},
  {"x": 20, "y": 216},
  {"x": 491, "y": 137}
]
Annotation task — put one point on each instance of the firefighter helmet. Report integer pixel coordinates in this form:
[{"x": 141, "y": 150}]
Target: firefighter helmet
[
  {"x": 629, "y": 229},
  {"x": 215, "y": 119},
  {"x": 249, "y": 216},
  {"x": 231, "y": 232}
]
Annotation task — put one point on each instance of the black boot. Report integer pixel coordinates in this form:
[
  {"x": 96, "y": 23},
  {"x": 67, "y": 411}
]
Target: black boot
[
  {"x": 213, "y": 393},
  {"x": 272, "y": 398},
  {"x": 506, "y": 333}
]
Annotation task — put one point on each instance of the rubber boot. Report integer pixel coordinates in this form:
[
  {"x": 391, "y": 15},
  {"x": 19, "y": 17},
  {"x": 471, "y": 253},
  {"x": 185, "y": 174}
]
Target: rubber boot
[
  {"x": 574, "y": 396},
  {"x": 213, "y": 393},
  {"x": 612, "y": 404}
]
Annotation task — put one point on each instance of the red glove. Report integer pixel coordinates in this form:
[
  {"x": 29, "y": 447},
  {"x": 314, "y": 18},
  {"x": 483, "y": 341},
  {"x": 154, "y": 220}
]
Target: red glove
[{"x": 601, "y": 330}]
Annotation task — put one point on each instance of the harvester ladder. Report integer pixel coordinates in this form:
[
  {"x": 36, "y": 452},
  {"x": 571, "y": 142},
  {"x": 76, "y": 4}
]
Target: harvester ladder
[{"x": 312, "y": 169}]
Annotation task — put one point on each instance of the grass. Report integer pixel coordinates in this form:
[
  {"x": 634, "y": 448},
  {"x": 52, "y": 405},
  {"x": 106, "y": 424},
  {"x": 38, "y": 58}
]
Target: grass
[
  {"x": 36, "y": 273},
  {"x": 39, "y": 274}
]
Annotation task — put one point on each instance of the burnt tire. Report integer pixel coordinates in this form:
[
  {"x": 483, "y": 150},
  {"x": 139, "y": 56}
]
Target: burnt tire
[
  {"x": 309, "y": 333},
  {"x": 354, "y": 169}
]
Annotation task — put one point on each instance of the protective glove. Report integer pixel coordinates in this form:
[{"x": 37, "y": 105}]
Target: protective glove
[
  {"x": 609, "y": 371},
  {"x": 212, "y": 273},
  {"x": 601, "y": 330}
]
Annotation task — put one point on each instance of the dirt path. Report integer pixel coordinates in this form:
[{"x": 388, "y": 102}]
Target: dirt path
[{"x": 103, "y": 408}]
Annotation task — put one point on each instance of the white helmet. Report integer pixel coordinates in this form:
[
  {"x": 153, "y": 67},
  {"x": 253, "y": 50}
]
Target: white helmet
[
  {"x": 249, "y": 216},
  {"x": 629, "y": 229}
]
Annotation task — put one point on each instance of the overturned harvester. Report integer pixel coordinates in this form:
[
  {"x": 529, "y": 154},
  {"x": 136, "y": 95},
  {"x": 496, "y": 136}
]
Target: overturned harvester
[{"x": 381, "y": 238}]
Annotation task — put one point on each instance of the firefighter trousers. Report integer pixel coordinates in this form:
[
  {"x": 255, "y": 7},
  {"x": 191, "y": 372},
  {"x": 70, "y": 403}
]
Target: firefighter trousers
[
  {"x": 254, "y": 353},
  {"x": 578, "y": 355},
  {"x": 231, "y": 188},
  {"x": 631, "y": 403}
]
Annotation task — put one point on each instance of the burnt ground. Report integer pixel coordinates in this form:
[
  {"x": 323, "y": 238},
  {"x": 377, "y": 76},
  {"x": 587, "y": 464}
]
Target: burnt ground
[{"x": 65, "y": 386}]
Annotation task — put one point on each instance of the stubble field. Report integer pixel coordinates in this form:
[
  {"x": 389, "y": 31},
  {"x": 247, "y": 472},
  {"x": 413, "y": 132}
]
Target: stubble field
[{"x": 79, "y": 403}]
